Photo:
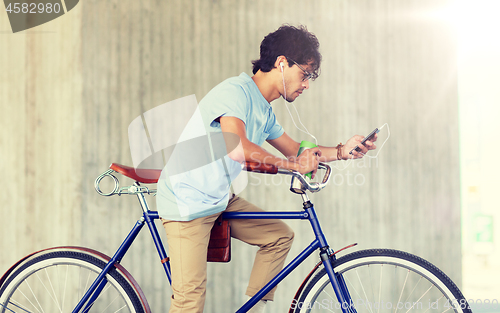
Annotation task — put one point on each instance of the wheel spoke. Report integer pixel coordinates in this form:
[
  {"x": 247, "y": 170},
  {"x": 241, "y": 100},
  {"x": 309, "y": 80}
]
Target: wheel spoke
[
  {"x": 103, "y": 292},
  {"x": 371, "y": 280},
  {"x": 406, "y": 300},
  {"x": 65, "y": 285},
  {"x": 18, "y": 305},
  {"x": 364, "y": 292},
  {"x": 402, "y": 289},
  {"x": 3, "y": 306},
  {"x": 380, "y": 287},
  {"x": 45, "y": 287},
  {"x": 447, "y": 310},
  {"x": 420, "y": 298},
  {"x": 80, "y": 295},
  {"x": 52, "y": 287},
  {"x": 109, "y": 305},
  {"x": 87, "y": 282},
  {"x": 437, "y": 301},
  {"x": 34, "y": 296},
  {"x": 330, "y": 296},
  {"x": 355, "y": 290},
  {"x": 120, "y": 309}
]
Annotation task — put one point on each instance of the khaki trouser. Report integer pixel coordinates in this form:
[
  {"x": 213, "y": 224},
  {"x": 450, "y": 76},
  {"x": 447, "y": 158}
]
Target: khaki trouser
[{"x": 188, "y": 241}]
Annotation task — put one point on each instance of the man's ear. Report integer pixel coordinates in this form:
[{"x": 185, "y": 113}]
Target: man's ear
[{"x": 280, "y": 62}]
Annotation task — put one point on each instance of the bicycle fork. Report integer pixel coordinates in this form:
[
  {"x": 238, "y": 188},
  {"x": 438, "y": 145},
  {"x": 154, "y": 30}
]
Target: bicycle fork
[
  {"x": 336, "y": 279},
  {"x": 339, "y": 285}
]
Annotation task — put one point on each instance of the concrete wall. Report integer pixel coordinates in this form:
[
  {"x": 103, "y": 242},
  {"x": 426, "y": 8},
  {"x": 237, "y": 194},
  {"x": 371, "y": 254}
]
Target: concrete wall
[{"x": 70, "y": 88}]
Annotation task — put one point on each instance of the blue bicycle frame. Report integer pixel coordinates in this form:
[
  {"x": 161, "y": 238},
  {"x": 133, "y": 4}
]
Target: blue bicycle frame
[{"x": 308, "y": 213}]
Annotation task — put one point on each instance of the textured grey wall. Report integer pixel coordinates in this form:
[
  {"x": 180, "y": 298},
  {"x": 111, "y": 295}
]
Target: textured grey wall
[{"x": 69, "y": 89}]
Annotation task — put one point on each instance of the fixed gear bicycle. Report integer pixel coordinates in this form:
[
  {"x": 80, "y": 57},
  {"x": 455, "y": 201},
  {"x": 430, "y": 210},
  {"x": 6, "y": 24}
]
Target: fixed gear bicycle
[{"x": 77, "y": 279}]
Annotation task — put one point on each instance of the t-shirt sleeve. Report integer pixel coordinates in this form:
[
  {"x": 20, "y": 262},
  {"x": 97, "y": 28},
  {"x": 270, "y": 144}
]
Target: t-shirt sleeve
[
  {"x": 275, "y": 130},
  {"x": 230, "y": 100}
]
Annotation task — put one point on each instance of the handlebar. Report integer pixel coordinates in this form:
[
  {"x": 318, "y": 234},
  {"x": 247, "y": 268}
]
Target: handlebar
[
  {"x": 304, "y": 183},
  {"x": 260, "y": 168},
  {"x": 299, "y": 187}
]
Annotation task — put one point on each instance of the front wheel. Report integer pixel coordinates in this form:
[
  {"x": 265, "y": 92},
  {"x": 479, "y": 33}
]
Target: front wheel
[
  {"x": 55, "y": 280},
  {"x": 382, "y": 280}
]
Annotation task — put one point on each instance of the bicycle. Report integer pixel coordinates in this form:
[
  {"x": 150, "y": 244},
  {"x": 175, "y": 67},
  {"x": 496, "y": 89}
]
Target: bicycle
[{"x": 77, "y": 279}]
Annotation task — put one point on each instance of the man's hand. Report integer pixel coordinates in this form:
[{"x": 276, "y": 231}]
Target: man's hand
[
  {"x": 307, "y": 161},
  {"x": 356, "y": 141}
]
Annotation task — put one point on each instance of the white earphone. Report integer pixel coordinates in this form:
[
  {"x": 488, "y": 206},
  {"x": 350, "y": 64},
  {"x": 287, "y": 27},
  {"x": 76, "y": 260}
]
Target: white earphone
[{"x": 281, "y": 65}]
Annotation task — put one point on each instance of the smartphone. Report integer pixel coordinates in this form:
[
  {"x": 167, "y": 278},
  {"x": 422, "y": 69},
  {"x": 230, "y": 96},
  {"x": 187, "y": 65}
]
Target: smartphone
[{"x": 369, "y": 137}]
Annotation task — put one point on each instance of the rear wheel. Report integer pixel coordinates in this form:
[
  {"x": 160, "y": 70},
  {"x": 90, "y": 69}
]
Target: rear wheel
[
  {"x": 55, "y": 281},
  {"x": 384, "y": 281}
]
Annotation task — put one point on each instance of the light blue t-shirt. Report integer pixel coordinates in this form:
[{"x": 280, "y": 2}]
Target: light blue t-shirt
[{"x": 196, "y": 180}]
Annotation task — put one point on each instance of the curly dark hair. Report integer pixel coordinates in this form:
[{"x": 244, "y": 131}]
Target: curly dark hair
[{"x": 295, "y": 43}]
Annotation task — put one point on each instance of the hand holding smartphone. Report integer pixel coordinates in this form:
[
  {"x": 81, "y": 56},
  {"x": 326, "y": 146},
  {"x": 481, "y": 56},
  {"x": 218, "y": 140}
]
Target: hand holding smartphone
[{"x": 369, "y": 137}]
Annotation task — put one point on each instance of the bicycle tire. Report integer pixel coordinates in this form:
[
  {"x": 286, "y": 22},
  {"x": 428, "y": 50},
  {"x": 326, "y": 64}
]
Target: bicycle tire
[
  {"x": 383, "y": 280},
  {"x": 56, "y": 279}
]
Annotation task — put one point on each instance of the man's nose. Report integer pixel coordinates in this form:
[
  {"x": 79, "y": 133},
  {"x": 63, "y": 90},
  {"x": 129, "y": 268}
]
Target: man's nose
[{"x": 306, "y": 84}]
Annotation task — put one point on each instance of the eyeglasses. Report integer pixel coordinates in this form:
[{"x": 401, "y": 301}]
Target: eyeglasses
[{"x": 307, "y": 75}]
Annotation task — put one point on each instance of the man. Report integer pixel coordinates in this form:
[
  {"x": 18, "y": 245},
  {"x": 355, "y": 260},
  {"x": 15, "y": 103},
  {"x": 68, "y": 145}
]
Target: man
[{"x": 190, "y": 202}]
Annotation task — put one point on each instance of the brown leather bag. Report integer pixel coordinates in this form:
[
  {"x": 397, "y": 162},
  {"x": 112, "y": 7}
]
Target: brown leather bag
[{"x": 219, "y": 246}]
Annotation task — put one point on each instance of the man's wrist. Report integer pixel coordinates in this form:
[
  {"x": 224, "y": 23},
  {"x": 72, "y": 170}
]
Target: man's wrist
[
  {"x": 289, "y": 165},
  {"x": 339, "y": 151}
]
